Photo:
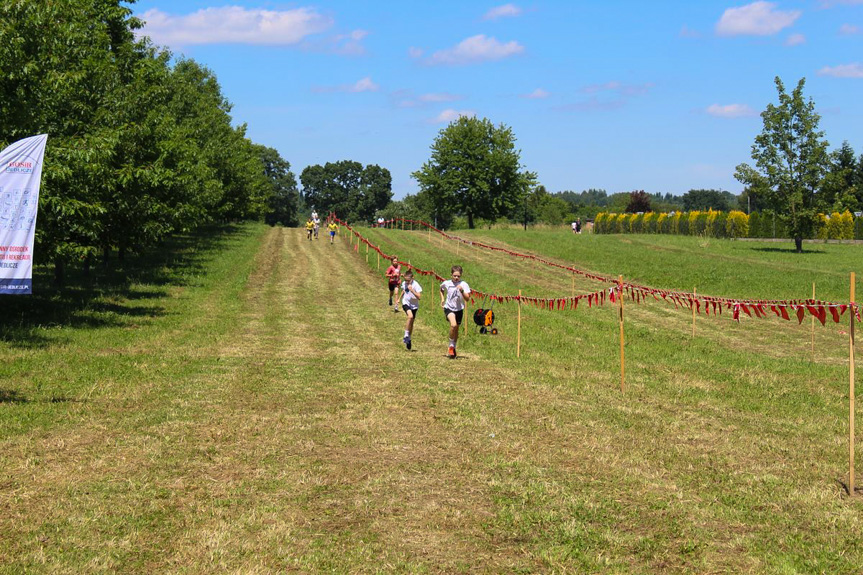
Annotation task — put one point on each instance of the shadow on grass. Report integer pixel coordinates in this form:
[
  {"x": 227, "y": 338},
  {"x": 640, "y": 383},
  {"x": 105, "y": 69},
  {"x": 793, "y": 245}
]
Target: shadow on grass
[
  {"x": 787, "y": 251},
  {"x": 11, "y": 396},
  {"x": 102, "y": 298}
]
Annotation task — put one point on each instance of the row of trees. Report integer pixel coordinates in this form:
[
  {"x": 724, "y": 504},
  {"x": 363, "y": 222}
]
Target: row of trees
[
  {"x": 734, "y": 224},
  {"x": 139, "y": 147}
]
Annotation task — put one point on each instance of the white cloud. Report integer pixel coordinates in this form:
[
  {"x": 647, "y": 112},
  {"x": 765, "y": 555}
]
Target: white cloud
[
  {"x": 415, "y": 52},
  {"x": 537, "y": 94},
  {"x": 234, "y": 25},
  {"x": 854, "y": 70},
  {"x": 849, "y": 30},
  {"x": 450, "y": 115},
  {"x": 476, "y": 49},
  {"x": 795, "y": 40},
  {"x": 364, "y": 85},
  {"x": 756, "y": 19},
  {"x": 730, "y": 111},
  {"x": 507, "y": 10}
]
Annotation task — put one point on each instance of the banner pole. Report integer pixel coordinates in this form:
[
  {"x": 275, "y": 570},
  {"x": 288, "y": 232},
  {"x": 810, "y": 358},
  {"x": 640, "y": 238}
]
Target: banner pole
[
  {"x": 851, "y": 396},
  {"x": 518, "y": 338},
  {"x": 694, "y": 293},
  {"x": 813, "y": 324},
  {"x": 622, "y": 357}
]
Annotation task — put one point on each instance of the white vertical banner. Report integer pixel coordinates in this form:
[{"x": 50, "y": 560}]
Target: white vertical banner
[{"x": 20, "y": 175}]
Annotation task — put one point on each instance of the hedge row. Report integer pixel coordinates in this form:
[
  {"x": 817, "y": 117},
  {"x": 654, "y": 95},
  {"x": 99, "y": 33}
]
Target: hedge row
[{"x": 734, "y": 224}]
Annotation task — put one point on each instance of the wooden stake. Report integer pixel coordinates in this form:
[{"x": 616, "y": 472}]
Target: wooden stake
[
  {"x": 518, "y": 337},
  {"x": 694, "y": 293},
  {"x": 813, "y": 324},
  {"x": 379, "y": 261},
  {"x": 851, "y": 396},
  {"x": 622, "y": 358}
]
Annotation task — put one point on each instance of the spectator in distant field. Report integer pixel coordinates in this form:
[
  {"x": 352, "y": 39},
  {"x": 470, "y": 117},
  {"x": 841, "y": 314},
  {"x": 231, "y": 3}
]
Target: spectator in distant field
[
  {"x": 578, "y": 226},
  {"x": 411, "y": 291},
  {"x": 393, "y": 274},
  {"x": 574, "y": 227},
  {"x": 380, "y": 222},
  {"x": 452, "y": 297}
]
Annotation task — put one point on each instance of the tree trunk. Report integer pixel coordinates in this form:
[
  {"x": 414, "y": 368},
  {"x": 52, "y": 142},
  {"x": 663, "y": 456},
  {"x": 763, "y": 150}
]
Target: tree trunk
[
  {"x": 470, "y": 220},
  {"x": 798, "y": 244},
  {"x": 59, "y": 272}
]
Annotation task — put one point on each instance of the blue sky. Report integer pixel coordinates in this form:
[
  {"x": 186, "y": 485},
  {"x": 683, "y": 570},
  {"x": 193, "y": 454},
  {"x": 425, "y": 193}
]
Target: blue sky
[{"x": 620, "y": 95}]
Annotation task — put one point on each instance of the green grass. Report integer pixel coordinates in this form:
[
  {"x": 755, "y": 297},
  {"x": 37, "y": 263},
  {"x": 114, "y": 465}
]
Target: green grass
[{"x": 248, "y": 407}]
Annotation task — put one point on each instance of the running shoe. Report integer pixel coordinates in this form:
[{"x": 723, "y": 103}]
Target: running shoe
[
  {"x": 451, "y": 352},
  {"x": 407, "y": 342}
]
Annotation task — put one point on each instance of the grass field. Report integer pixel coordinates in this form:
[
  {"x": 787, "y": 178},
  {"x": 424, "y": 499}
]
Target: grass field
[{"x": 248, "y": 407}]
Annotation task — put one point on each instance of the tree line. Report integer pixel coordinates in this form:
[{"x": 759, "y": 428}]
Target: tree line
[{"x": 142, "y": 146}]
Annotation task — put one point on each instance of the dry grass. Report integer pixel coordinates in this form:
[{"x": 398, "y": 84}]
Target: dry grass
[{"x": 274, "y": 422}]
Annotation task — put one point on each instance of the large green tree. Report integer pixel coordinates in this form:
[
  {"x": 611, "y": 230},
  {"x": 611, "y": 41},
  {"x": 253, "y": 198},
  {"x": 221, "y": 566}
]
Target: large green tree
[
  {"x": 475, "y": 170},
  {"x": 353, "y": 192},
  {"x": 285, "y": 200},
  {"x": 707, "y": 200},
  {"x": 791, "y": 158},
  {"x": 839, "y": 187}
]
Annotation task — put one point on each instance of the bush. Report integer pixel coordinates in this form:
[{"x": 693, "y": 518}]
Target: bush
[
  {"x": 858, "y": 228},
  {"x": 597, "y": 222},
  {"x": 846, "y": 226},
  {"x": 717, "y": 225},
  {"x": 621, "y": 223},
  {"x": 649, "y": 223},
  {"x": 674, "y": 226},
  {"x": 737, "y": 224},
  {"x": 636, "y": 223},
  {"x": 682, "y": 224},
  {"x": 821, "y": 227},
  {"x": 663, "y": 225},
  {"x": 755, "y": 225}
]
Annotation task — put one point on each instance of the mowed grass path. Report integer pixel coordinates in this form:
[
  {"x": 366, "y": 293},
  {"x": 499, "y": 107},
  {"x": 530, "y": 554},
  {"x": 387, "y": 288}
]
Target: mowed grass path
[{"x": 267, "y": 418}]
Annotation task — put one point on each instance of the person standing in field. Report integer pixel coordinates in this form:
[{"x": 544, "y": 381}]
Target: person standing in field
[
  {"x": 411, "y": 291},
  {"x": 578, "y": 226},
  {"x": 393, "y": 274},
  {"x": 333, "y": 228},
  {"x": 452, "y": 297}
]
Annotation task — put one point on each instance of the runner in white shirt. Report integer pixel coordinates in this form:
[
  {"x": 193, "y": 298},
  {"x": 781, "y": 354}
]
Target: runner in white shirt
[
  {"x": 411, "y": 292},
  {"x": 452, "y": 297}
]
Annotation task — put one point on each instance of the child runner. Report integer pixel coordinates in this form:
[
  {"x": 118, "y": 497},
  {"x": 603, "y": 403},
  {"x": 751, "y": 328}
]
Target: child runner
[
  {"x": 393, "y": 273},
  {"x": 452, "y": 296},
  {"x": 310, "y": 227},
  {"x": 317, "y": 222},
  {"x": 411, "y": 291},
  {"x": 333, "y": 227}
]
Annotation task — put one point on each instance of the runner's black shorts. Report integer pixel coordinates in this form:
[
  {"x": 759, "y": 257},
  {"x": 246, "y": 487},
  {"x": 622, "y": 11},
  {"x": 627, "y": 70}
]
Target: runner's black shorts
[
  {"x": 458, "y": 315},
  {"x": 406, "y": 307}
]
